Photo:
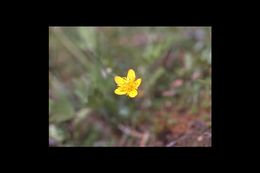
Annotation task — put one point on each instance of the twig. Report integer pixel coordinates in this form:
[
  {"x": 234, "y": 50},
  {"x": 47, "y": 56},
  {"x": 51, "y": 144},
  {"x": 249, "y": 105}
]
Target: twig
[
  {"x": 142, "y": 136},
  {"x": 144, "y": 139},
  {"x": 171, "y": 144},
  {"x": 130, "y": 132}
]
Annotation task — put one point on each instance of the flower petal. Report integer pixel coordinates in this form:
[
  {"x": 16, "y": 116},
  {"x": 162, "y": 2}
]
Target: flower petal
[
  {"x": 138, "y": 82},
  {"x": 119, "y": 80},
  {"x": 120, "y": 91},
  {"x": 131, "y": 75},
  {"x": 132, "y": 93}
]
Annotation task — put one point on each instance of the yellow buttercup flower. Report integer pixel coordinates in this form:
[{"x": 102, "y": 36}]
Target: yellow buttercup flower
[{"x": 127, "y": 85}]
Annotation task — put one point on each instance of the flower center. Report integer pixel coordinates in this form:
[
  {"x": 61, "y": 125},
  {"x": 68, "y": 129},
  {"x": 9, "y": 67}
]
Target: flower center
[{"x": 129, "y": 86}]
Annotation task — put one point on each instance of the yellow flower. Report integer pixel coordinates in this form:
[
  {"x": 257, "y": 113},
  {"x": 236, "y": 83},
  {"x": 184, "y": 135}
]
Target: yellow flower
[{"x": 127, "y": 85}]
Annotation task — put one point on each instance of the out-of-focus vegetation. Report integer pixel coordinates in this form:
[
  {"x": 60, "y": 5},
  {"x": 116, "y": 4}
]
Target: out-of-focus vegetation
[{"x": 173, "y": 107}]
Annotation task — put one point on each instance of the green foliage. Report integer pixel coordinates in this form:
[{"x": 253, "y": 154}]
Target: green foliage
[{"x": 62, "y": 111}]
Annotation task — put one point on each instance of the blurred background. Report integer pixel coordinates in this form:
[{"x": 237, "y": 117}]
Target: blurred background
[{"x": 173, "y": 107}]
